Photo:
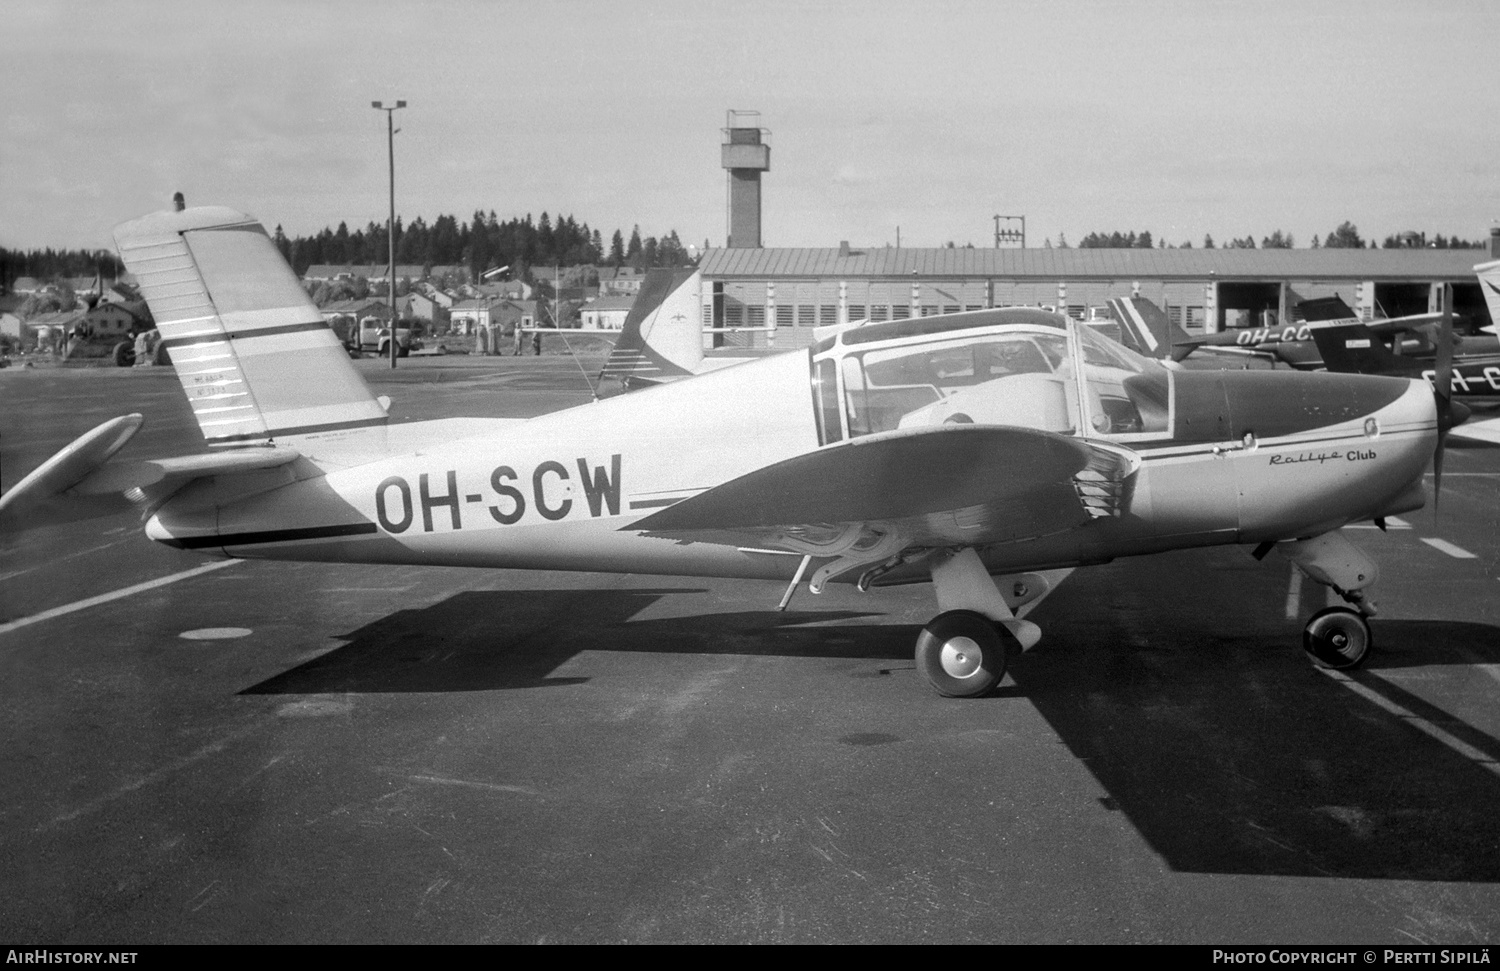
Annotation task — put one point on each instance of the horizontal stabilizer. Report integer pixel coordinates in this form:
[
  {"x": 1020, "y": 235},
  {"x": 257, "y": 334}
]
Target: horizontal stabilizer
[
  {"x": 70, "y": 466},
  {"x": 148, "y": 473}
]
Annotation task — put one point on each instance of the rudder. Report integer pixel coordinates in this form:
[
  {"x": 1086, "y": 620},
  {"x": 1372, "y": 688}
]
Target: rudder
[{"x": 255, "y": 357}]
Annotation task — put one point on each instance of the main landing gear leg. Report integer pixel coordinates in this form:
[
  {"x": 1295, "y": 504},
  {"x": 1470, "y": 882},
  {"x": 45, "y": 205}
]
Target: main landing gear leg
[
  {"x": 1336, "y": 637},
  {"x": 963, "y": 650}
]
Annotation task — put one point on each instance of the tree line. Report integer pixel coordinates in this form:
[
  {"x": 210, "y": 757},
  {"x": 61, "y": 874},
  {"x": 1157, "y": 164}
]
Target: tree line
[
  {"x": 483, "y": 243},
  {"x": 1346, "y": 236},
  {"x": 53, "y": 264}
]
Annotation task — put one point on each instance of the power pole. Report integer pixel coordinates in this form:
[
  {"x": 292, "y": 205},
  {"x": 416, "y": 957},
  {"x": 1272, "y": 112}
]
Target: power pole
[{"x": 390, "y": 226}]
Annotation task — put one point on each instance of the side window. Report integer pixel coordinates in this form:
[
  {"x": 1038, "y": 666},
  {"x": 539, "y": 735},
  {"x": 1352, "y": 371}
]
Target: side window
[{"x": 1001, "y": 379}]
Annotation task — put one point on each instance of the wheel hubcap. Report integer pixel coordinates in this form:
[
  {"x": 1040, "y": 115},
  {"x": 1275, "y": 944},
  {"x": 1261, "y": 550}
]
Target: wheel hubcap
[
  {"x": 960, "y": 657},
  {"x": 1343, "y": 635}
]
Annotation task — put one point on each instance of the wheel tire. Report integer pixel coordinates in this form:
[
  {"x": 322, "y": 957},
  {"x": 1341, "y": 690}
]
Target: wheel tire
[
  {"x": 402, "y": 351},
  {"x": 1337, "y": 638},
  {"x": 124, "y": 354},
  {"x": 958, "y": 418},
  {"x": 962, "y": 654},
  {"x": 162, "y": 357}
]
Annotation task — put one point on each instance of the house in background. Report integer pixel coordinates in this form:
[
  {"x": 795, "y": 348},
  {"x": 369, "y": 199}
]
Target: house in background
[{"x": 606, "y": 313}]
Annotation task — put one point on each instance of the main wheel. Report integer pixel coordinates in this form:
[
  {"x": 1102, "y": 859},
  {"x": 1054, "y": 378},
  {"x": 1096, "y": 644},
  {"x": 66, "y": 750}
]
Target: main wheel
[
  {"x": 1337, "y": 638},
  {"x": 962, "y": 654},
  {"x": 124, "y": 354}
]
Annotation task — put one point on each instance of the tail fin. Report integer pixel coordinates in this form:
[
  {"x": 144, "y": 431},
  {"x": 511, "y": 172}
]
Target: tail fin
[
  {"x": 1149, "y": 330},
  {"x": 1326, "y": 308},
  {"x": 1354, "y": 348},
  {"x": 1489, "y": 283},
  {"x": 254, "y": 355},
  {"x": 662, "y": 338}
]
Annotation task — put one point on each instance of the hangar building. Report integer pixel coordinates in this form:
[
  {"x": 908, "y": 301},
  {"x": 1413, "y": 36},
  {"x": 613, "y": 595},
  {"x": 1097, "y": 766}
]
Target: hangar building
[{"x": 781, "y": 294}]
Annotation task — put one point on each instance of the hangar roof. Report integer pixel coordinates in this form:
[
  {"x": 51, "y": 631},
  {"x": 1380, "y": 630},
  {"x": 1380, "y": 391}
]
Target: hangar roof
[{"x": 1381, "y": 265}]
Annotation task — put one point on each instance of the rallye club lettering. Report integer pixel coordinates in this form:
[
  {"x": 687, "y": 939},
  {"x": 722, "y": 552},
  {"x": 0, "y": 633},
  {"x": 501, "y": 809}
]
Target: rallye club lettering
[
  {"x": 1353, "y": 455},
  {"x": 507, "y": 503}
]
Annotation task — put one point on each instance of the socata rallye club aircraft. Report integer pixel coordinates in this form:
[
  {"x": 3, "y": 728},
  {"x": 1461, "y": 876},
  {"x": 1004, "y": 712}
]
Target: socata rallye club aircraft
[{"x": 989, "y": 452}]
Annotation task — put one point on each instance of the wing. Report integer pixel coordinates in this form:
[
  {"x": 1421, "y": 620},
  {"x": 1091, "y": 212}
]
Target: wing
[{"x": 885, "y": 499}]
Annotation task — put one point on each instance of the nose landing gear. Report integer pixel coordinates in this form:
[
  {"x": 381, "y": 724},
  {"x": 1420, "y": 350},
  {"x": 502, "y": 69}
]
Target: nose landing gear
[{"x": 1337, "y": 638}]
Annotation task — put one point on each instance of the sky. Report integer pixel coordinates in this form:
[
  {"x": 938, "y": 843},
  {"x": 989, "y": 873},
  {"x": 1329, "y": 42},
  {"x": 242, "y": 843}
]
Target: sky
[{"x": 918, "y": 118}]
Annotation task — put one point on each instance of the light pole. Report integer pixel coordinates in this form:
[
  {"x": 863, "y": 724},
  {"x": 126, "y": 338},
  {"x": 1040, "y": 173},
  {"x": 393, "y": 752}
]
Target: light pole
[{"x": 390, "y": 226}]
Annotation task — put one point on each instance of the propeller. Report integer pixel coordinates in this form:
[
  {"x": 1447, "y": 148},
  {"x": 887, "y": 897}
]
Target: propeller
[{"x": 1442, "y": 388}]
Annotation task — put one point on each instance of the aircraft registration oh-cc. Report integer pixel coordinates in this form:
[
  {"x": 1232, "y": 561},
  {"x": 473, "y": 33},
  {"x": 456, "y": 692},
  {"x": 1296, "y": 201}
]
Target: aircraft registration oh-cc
[{"x": 989, "y": 453}]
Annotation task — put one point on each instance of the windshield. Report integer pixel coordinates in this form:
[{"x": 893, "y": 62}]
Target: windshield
[{"x": 1024, "y": 377}]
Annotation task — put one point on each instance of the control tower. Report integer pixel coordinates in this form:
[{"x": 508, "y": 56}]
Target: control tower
[{"x": 746, "y": 154}]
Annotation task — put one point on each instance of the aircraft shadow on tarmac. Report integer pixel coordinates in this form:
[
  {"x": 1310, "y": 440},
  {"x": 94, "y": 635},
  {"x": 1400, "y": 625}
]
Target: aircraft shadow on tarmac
[
  {"x": 1231, "y": 754},
  {"x": 494, "y": 640},
  {"x": 1225, "y": 749}
]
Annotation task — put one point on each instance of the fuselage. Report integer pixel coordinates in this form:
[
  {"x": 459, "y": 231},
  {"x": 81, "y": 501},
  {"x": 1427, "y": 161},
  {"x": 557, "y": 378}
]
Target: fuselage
[{"x": 1225, "y": 457}]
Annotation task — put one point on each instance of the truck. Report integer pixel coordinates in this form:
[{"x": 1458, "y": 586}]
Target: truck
[{"x": 375, "y": 337}]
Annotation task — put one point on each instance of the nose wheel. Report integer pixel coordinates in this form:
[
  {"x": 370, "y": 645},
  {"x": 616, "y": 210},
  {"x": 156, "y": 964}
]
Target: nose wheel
[
  {"x": 962, "y": 653},
  {"x": 1337, "y": 638}
]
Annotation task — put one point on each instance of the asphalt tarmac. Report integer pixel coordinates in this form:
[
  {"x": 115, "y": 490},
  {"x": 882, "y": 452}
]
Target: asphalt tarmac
[{"x": 194, "y": 750}]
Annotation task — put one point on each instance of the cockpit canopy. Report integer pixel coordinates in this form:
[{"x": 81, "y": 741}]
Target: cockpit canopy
[{"x": 1020, "y": 367}]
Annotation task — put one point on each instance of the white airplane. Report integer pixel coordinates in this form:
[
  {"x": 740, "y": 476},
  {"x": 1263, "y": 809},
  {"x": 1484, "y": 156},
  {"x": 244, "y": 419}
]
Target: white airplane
[{"x": 990, "y": 453}]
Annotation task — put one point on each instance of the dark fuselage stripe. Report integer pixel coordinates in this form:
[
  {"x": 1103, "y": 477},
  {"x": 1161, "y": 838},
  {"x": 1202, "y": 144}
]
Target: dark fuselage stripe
[
  {"x": 276, "y": 536},
  {"x": 240, "y": 335},
  {"x": 654, "y": 503},
  {"x": 333, "y": 426}
]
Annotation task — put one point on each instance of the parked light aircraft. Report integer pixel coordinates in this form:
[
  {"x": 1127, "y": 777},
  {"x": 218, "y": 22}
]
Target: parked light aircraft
[
  {"x": 1146, "y": 328},
  {"x": 990, "y": 453},
  {"x": 1351, "y": 347},
  {"x": 1412, "y": 336}
]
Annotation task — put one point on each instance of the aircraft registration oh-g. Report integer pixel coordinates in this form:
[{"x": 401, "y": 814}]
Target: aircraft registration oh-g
[{"x": 990, "y": 453}]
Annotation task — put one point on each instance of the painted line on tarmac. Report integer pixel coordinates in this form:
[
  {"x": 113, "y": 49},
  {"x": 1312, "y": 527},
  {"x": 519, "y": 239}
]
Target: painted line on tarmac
[
  {"x": 1457, "y": 552},
  {"x": 1391, "y": 522},
  {"x": 104, "y": 598},
  {"x": 1480, "y": 758}
]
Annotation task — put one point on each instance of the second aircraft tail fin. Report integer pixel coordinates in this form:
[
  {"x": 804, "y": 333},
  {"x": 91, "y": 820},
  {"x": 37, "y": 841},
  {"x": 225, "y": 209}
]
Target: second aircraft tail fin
[
  {"x": 662, "y": 338},
  {"x": 1149, "y": 330},
  {"x": 1354, "y": 348}
]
